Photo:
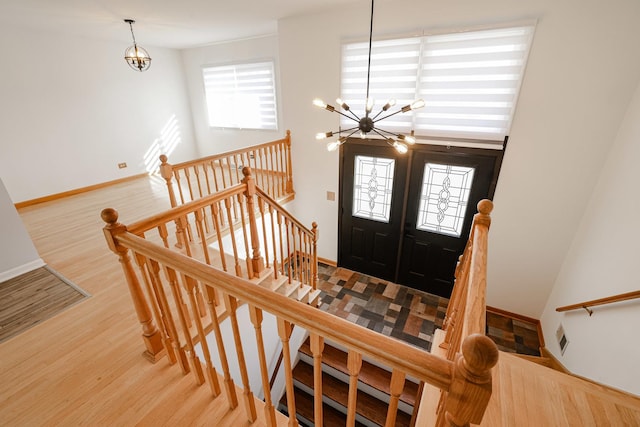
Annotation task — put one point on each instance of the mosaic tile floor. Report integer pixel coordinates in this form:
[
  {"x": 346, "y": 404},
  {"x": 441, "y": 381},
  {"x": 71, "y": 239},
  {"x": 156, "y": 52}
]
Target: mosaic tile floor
[{"x": 407, "y": 314}]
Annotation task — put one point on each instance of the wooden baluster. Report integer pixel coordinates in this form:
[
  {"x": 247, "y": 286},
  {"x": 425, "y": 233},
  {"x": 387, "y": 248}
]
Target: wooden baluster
[
  {"x": 214, "y": 170},
  {"x": 229, "y": 386},
  {"x": 216, "y": 225},
  {"x": 314, "y": 256},
  {"x": 182, "y": 234},
  {"x": 273, "y": 189},
  {"x": 229, "y": 171},
  {"x": 187, "y": 175},
  {"x": 289, "y": 270},
  {"x": 227, "y": 204},
  {"x": 144, "y": 269},
  {"x": 284, "y": 332},
  {"x": 264, "y": 171},
  {"x": 305, "y": 257},
  {"x": 250, "y": 273},
  {"x": 354, "y": 364},
  {"x": 176, "y": 176},
  {"x": 470, "y": 388},
  {"x": 395, "y": 390},
  {"x": 274, "y": 246},
  {"x": 200, "y": 227},
  {"x": 164, "y": 234},
  {"x": 261, "y": 204},
  {"x": 281, "y": 239},
  {"x": 295, "y": 260},
  {"x": 192, "y": 289},
  {"x": 260, "y": 170},
  {"x": 207, "y": 180},
  {"x": 289, "y": 167},
  {"x": 250, "y": 406},
  {"x": 269, "y": 410},
  {"x": 150, "y": 334},
  {"x": 183, "y": 316},
  {"x": 196, "y": 171},
  {"x": 257, "y": 262},
  {"x": 283, "y": 176},
  {"x": 317, "y": 347},
  {"x": 237, "y": 168},
  {"x": 170, "y": 322},
  {"x": 222, "y": 174},
  {"x": 166, "y": 171}
]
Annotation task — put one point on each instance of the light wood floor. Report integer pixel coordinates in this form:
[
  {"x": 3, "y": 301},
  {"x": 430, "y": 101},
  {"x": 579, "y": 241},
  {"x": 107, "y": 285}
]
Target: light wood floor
[{"x": 84, "y": 366}]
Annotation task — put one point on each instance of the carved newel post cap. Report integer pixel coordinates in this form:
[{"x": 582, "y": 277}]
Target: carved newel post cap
[
  {"x": 246, "y": 171},
  {"x": 163, "y": 158},
  {"x": 485, "y": 206},
  {"x": 480, "y": 353},
  {"x": 109, "y": 215}
]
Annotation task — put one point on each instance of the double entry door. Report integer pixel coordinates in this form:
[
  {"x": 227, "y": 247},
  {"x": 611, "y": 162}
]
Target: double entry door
[{"x": 406, "y": 217}]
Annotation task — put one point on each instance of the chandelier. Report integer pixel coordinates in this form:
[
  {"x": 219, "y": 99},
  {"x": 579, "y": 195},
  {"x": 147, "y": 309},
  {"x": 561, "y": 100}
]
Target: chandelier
[
  {"x": 369, "y": 123},
  {"x": 136, "y": 56}
]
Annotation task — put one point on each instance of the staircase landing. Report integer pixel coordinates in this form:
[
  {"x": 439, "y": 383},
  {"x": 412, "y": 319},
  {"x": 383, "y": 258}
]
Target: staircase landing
[{"x": 527, "y": 394}]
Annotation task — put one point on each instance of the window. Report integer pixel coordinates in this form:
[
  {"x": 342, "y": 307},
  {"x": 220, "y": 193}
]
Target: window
[
  {"x": 241, "y": 96},
  {"x": 373, "y": 187},
  {"x": 468, "y": 80}
]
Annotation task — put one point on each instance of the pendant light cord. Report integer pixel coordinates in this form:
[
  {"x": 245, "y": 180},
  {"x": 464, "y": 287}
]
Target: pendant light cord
[{"x": 369, "y": 62}]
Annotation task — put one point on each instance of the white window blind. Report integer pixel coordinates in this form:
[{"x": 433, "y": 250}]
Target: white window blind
[
  {"x": 468, "y": 80},
  {"x": 241, "y": 96}
]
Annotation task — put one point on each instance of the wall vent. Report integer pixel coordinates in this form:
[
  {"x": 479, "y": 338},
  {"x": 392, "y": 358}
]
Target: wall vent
[{"x": 562, "y": 339}]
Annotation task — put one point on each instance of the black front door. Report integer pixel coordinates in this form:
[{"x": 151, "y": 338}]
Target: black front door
[
  {"x": 444, "y": 189},
  {"x": 406, "y": 218},
  {"x": 372, "y": 208}
]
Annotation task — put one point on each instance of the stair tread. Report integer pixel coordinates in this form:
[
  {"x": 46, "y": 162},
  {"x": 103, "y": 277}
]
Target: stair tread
[
  {"x": 304, "y": 408},
  {"x": 367, "y": 406},
  {"x": 370, "y": 374}
]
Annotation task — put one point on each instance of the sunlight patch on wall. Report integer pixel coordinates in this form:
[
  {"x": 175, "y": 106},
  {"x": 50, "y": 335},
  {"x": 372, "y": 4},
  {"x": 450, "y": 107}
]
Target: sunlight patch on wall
[{"x": 165, "y": 143}]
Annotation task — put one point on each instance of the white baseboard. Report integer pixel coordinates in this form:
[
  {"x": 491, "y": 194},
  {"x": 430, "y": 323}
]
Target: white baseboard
[{"x": 24, "y": 268}]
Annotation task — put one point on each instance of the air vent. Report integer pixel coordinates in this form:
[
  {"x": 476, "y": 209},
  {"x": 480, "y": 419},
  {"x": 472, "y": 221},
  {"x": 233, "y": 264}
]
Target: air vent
[{"x": 562, "y": 339}]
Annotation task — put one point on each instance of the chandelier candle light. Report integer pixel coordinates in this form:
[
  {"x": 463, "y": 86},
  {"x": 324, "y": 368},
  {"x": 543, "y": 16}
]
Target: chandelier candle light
[
  {"x": 368, "y": 123},
  {"x": 137, "y": 57}
]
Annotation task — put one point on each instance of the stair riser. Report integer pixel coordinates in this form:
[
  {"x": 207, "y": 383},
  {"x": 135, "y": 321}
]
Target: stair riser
[{"x": 402, "y": 406}]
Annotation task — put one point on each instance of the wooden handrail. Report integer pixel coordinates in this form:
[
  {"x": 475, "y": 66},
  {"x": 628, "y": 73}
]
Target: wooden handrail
[
  {"x": 601, "y": 301},
  {"x": 172, "y": 323},
  {"x": 391, "y": 352},
  {"x": 286, "y": 214},
  {"x": 194, "y": 179}
]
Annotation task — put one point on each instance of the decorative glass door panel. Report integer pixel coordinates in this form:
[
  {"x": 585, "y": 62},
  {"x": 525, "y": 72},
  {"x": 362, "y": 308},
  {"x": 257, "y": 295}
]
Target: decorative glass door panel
[
  {"x": 444, "y": 198},
  {"x": 373, "y": 187}
]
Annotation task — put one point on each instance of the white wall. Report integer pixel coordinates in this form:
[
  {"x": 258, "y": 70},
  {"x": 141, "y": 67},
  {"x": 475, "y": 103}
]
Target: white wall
[
  {"x": 602, "y": 262},
  {"x": 216, "y": 140},
  {"x": 17, "y": 253},
  {"x": 579, "y": 80},
  {"x": 71, "y": 110}
]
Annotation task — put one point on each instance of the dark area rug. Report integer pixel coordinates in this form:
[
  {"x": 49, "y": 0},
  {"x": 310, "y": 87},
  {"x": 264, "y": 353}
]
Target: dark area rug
[{"x": 34, "y": 297}]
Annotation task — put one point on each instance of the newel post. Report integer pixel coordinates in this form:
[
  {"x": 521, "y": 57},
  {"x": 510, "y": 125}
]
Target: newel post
[
  {"x": 166, "y": 171},
  {"x": 289, "y": 163},
  {"x": 257, "y": 262},
  {"x": 314, "y": 265},
  {"x": 150, "y": 333},
  {"x": 470, "y": 389}
]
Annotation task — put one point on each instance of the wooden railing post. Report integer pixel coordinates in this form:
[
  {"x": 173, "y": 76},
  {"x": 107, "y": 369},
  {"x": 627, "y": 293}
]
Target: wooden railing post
[
  {"x": 289, "y": 163},
  {"x": 166, "y": 171},
  {"x": 470, "y": 388},
  {"x": 257, "y": 262},
  {"x": 150, "y": 334}
]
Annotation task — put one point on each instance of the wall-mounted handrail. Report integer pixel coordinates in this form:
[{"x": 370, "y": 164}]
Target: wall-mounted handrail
[{"x": 601, "y": 301}]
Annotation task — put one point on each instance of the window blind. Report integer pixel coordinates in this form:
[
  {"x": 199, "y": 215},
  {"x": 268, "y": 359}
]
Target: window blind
[
  {"x": 468, "y": 80},
  {"x": 241, "y": 96}
]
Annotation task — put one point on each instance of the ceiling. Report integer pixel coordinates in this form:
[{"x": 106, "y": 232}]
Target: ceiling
[{"x": 166, "y": 23}]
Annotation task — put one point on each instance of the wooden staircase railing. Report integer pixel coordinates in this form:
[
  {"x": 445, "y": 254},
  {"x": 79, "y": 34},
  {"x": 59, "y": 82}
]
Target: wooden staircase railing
[
  {"x": 184, "y": 297},
  {"x": 270, "y": 163},
  {"x": 601, "y": 301}
]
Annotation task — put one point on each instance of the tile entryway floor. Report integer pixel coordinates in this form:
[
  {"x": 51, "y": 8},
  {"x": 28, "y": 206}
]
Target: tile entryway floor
[{"x": 408, "y": 314}]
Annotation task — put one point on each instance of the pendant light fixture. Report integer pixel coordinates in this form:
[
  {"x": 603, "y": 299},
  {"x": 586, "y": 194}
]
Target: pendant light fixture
[
  {"x": 369, "y": 123},
  {"x": 137, "y": 57}
]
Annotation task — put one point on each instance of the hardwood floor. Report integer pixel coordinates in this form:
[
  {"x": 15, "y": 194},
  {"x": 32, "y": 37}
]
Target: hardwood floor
[{"x": 84, "y": 366}]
